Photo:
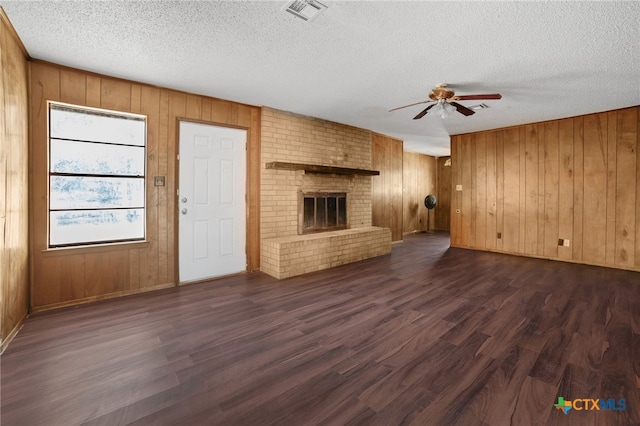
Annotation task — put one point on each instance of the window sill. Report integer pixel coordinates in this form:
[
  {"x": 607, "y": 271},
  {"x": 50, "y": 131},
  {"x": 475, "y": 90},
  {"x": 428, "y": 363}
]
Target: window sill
[{"x": 98, "y": 248}]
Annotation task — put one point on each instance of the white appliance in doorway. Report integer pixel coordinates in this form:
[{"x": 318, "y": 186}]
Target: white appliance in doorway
[{"x": 211, "y": 201}]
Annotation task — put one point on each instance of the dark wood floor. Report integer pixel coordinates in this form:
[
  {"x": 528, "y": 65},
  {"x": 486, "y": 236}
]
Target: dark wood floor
[{"x": 426, "y": 335}]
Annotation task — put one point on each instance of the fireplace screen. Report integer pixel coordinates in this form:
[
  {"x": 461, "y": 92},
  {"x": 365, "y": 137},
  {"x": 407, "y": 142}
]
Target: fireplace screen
[{"x": 323, "y": 211}]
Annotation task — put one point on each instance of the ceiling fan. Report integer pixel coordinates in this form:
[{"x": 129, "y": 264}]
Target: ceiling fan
[{"x": 445, "y": 102}]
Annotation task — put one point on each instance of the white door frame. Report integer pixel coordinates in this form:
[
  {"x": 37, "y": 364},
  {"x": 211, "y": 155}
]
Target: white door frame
[{"x": 178, "y": 207}]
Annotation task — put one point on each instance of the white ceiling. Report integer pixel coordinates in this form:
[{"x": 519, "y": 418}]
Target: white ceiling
[{"x": 358, "y": 59}]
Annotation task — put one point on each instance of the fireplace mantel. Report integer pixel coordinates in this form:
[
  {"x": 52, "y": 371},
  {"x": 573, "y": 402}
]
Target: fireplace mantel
[{"x": 315, "y": 168}]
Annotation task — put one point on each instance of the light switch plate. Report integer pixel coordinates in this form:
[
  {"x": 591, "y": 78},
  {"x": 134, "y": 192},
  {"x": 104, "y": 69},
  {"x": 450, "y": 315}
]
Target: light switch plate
[{"x": 458, "y": 187}]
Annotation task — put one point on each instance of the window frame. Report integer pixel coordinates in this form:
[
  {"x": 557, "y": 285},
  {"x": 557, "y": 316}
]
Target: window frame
[{"x": 50, "y": 174}]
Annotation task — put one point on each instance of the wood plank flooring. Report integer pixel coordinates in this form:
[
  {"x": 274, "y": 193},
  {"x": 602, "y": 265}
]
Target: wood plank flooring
[{"x": 428, "y": 335}]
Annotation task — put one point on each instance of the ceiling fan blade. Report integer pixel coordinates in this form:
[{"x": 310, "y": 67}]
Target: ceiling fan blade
[
  {"x": 405, "y": 106},
  {"x": 424, "y": 112},
  {"x": 463, "y": 109},
  {"x": 478, "y": 97}
]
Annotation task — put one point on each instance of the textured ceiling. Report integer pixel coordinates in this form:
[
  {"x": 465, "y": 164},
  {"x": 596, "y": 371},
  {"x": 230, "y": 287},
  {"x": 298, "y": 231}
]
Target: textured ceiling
[{"x": 358, "y": 59}]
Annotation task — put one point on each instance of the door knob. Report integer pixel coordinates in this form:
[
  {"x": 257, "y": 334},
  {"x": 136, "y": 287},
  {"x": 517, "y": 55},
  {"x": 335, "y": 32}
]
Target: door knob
[
  {"x": 184, "y": 211},
  {"x": 184, "y": 200}
]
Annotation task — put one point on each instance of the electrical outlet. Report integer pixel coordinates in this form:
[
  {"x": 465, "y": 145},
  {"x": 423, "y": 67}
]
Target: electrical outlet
[
  {"x": 499, "y": 235},
  {"x": 563, "y": 242},
  {"x": 158, "y": 181}
]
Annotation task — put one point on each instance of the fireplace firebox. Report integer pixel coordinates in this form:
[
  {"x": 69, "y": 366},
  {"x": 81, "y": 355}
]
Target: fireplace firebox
[{"x": 322, "y": 211}]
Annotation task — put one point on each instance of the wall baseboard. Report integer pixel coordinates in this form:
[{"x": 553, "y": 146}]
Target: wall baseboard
[
  {"x": 91, "y": 299},
  {"x": 5, "y": 343}
]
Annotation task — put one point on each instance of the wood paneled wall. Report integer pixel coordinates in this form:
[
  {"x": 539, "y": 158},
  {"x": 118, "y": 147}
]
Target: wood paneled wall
[
  {"x": 443, "y": 191},
  {"x": 71, "y": 276},
  {"x": 419, "y": 180},
  {"x": 574, "y": 179},
  {"x": 386, "y": 188},
  {"x": 14, "y": 187}
]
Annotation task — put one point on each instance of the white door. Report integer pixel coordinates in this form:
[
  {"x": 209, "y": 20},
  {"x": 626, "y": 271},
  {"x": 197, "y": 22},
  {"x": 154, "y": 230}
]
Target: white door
[{"x": 211, "y": 201}]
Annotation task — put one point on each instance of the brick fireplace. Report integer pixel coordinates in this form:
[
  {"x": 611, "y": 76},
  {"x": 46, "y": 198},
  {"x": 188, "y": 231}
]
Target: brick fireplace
[{"x": 286, "y": 250}]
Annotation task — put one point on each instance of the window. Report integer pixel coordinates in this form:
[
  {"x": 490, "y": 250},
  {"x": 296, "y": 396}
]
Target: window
[
  {"x": 323, "y": 211},
  {"x": 96, "y": 176}
]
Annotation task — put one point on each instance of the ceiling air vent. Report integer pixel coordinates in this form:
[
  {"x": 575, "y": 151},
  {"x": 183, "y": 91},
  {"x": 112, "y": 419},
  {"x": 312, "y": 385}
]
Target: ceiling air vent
[
  {"x": 305, "y": 9},
  {"x": 479, "y": 106}
]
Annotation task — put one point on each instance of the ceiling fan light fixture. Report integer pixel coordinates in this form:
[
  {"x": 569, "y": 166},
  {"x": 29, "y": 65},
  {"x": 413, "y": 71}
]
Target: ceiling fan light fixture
[
  {"x": 438, "y": 108},
  {"x": 448, "y": 107},
  {"x": 443, "y": 108}
]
